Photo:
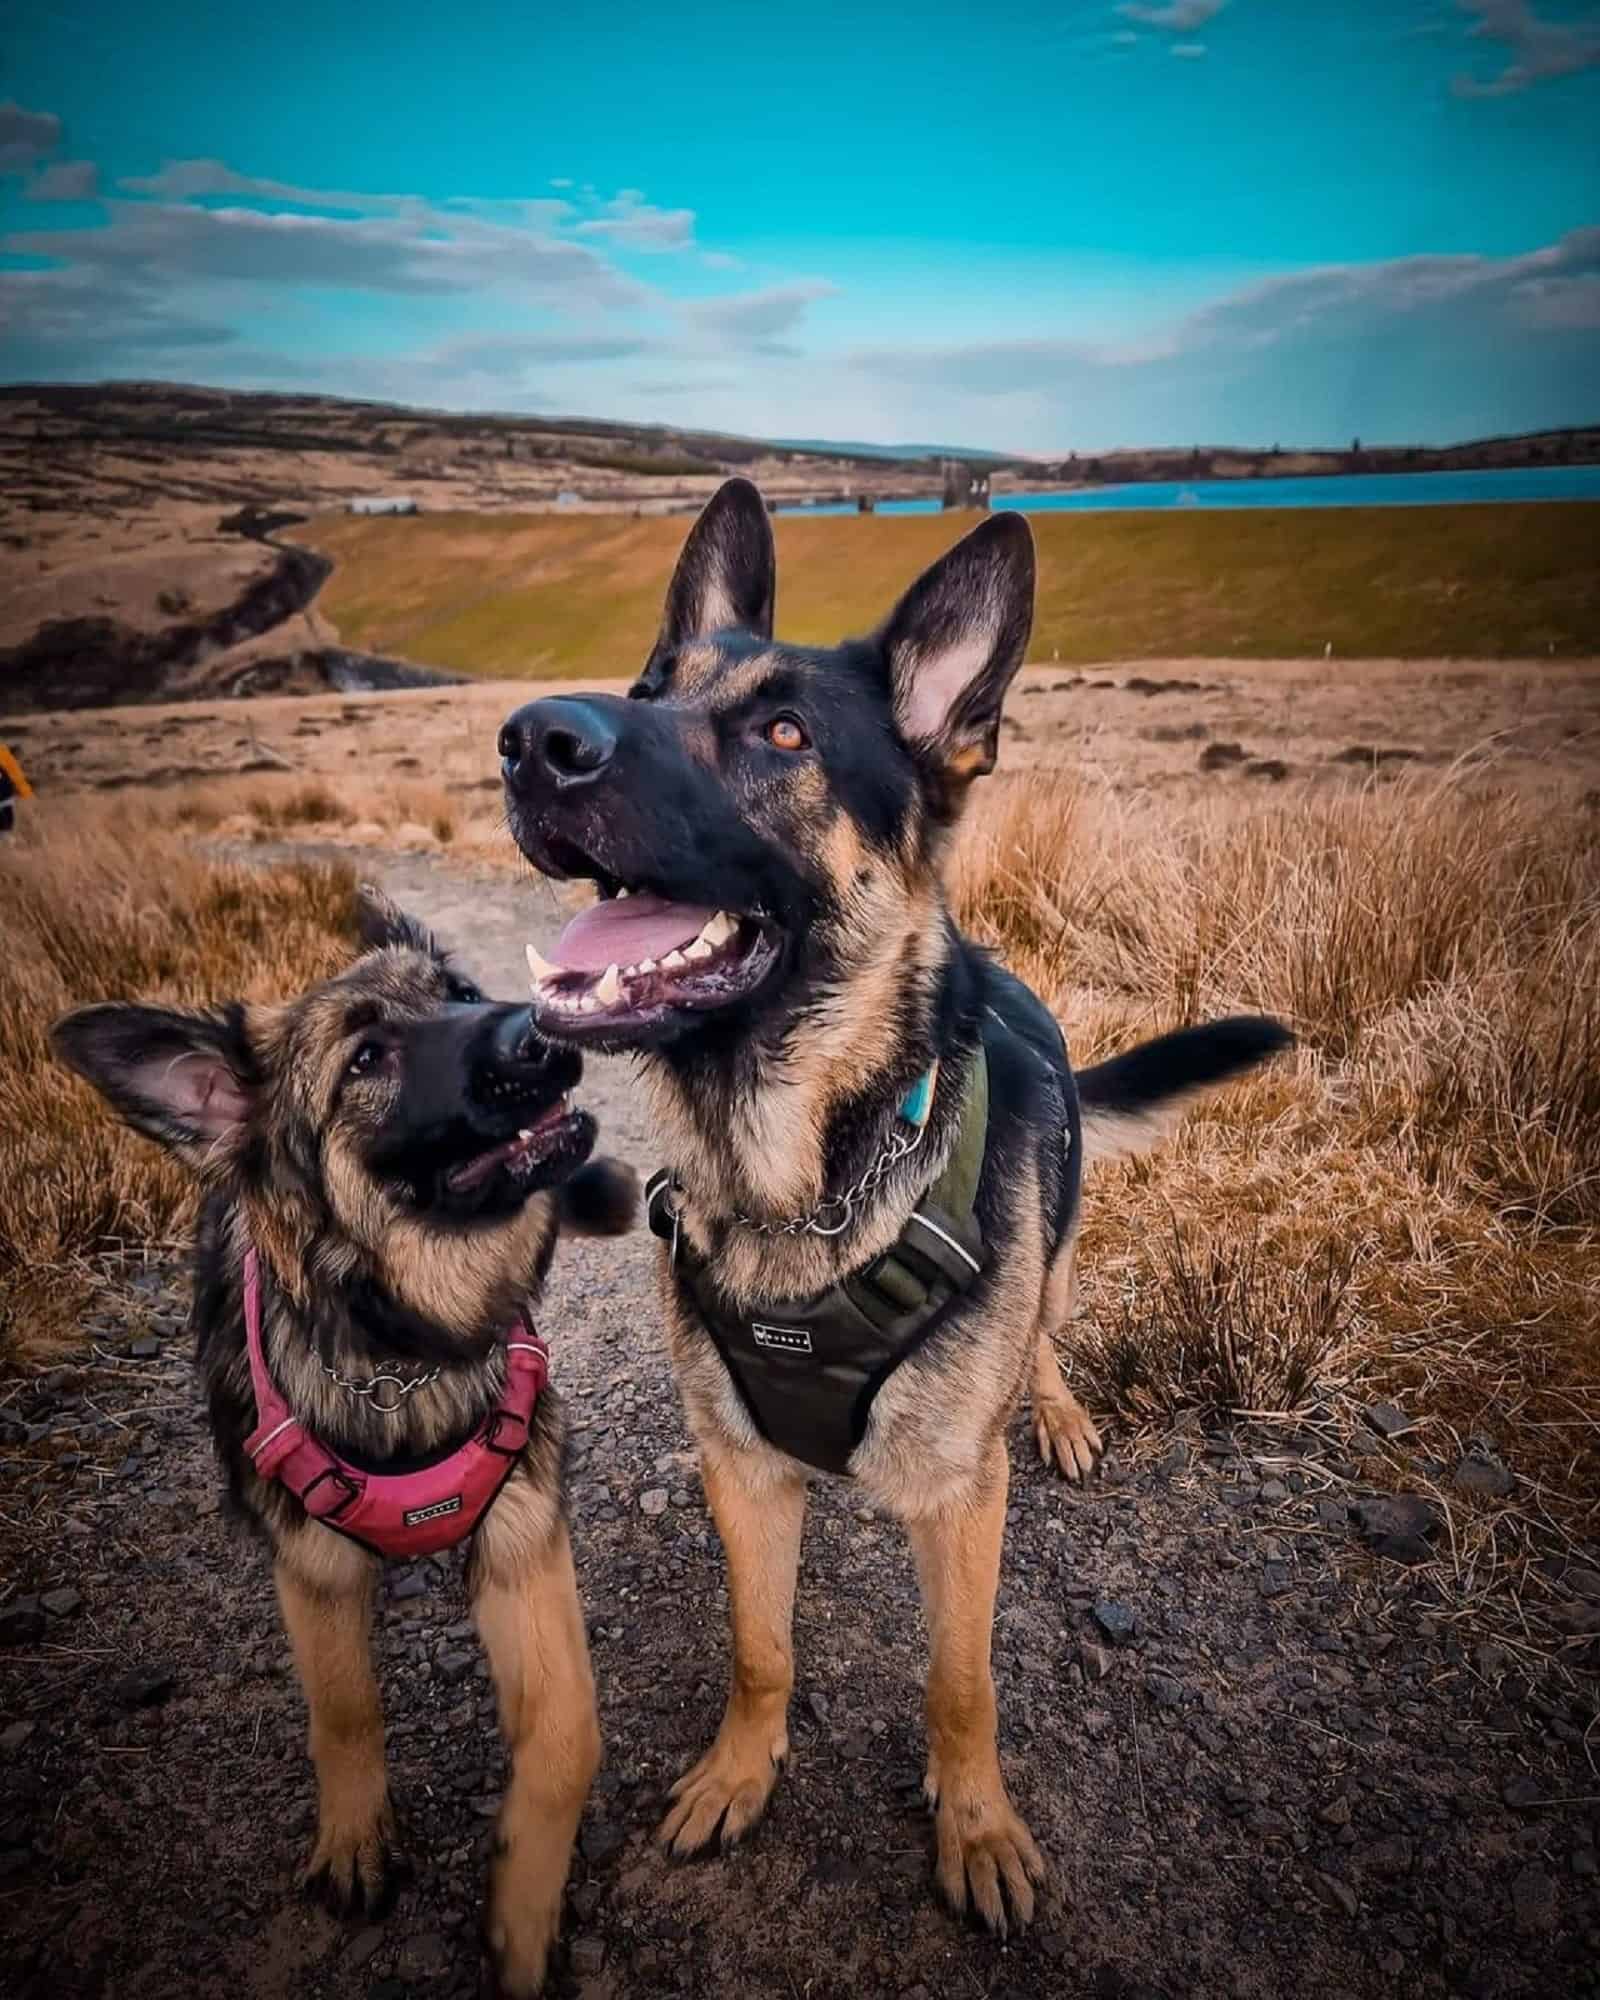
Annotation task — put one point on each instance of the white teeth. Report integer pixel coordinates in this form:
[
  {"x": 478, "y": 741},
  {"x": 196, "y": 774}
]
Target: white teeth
[
  {"x": 524, "y": 1134},
  {"x": 588, "y": 1004},
  {"x": 541, "y": 969},
  {"x": 674, "y": 960},
  {"x": 719, "y": 929},
  {"x": 700, "y": 950},
  {"x": 608, "y": 990},
  {"x": 621, "y": 893},
  {"x": 644, "y": 965}
]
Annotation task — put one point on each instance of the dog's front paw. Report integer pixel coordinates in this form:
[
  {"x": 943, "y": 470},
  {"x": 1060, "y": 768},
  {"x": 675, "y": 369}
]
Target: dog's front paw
[
  {"x": 521, "y": 1928},
  {"x": 722, "y": 1797},
  {"x": 355, "y": 1870},
  {"x": 1066, "y": 1436},
  {"x": 987, "y": 1858}
]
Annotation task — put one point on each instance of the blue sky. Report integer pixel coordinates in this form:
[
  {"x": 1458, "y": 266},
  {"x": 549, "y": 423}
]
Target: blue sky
[{"x": 1034, "y": 228}]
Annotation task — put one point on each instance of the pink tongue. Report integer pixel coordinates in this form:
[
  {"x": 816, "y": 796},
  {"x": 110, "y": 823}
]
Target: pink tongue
[{"x": 627, "y": 929}]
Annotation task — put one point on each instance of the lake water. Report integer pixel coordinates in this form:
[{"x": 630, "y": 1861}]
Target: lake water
[{"x": 1351, "y": 489}]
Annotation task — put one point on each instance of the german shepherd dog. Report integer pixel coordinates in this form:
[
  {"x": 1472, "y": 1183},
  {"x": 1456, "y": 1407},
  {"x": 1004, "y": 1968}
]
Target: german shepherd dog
[
  {"x": 766, "y": 825},
  {"x": 398, "y": 1155}
]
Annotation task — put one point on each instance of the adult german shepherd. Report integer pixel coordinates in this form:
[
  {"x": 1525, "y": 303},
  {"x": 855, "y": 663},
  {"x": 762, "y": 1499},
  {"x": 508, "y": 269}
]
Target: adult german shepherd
[
  {"x": 826, "y": 1052},
  {"x": 385, "y": 1163}
]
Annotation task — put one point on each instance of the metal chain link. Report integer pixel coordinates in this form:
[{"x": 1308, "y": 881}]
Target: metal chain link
[
  {"x": 403, "y": 1385},
  {"x": 901, "y": 1145}
]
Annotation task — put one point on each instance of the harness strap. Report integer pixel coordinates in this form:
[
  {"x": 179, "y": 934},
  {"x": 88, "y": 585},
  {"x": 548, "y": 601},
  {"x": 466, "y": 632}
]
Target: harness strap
[{"x": 385, "y": 1509}]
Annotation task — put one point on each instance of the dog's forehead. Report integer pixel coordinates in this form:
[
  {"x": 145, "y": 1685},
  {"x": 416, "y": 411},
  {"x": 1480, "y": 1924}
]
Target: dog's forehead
[
  {"x": 380, "y": 985},
  {"x": 734, "y": 668}
]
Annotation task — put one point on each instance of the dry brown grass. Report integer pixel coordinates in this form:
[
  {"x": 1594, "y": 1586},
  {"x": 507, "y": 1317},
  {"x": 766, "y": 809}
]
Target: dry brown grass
[
  {"x": 1410, "y": 1207},
  {"x": 95, "y": 906}
]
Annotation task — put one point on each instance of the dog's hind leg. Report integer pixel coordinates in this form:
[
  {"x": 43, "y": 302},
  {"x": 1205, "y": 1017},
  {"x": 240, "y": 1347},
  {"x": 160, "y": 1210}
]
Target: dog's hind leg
[
  {"x": 325, "y": 1591},
  {"x": 1062, "y": 1427},
  {"x": 985, "y": 1853},
  {"x": 527, "y": 1609},
  {"x": 759, "y": 1506}
]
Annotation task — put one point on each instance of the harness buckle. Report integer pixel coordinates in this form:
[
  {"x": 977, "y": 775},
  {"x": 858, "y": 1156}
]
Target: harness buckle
[{"x": 351, "y": 1494}]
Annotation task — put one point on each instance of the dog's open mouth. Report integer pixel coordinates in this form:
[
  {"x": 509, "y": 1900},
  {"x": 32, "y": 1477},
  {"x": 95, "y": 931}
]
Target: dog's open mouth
[
  {"x": 556, "y": 1140},
  {"x": 634, "y": 960}
]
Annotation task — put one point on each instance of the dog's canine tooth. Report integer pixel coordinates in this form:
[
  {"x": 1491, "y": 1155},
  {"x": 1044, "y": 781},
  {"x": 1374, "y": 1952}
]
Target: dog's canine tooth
[
  {"x": 719, "y": 929},
  {"x": 674, "y": 961},
  {"x": 541, "y": 969},
  {"x": 700, "y": 950},
  {"x": 608, "y": 989}
]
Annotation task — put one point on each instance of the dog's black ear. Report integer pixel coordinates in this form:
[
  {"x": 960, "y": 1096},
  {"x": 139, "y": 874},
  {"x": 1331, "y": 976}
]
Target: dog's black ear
[
  {"x": 187, "y": 1079},
  {"x": 953, "y": 643},
  {"x": 380, "y": 923},
  {"x": 727, "y": 576},
  {"x": 601, "y": 1199}
]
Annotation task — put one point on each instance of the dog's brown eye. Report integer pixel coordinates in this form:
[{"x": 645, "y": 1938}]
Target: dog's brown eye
[
  {"x": 367, "y": 1058},
  {"x": 784, "y": 733}
]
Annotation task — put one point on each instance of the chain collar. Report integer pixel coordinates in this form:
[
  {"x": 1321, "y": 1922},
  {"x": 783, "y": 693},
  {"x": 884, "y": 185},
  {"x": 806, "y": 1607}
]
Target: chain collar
[
  {"x": 376, "y": 1389},
  {"x": 832, "y": 1215}
]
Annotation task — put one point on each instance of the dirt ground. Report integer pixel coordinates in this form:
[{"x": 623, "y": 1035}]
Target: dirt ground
[
  {"x": 1185, "y": 725},
  {"x": 1261, "y": 1758}
]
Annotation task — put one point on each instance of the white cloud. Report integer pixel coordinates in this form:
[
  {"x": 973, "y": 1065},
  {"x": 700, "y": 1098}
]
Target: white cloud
[
  {"x": 66, "y": 180},
  {"x": 633, "y": 223},
  {"x": 26, "y": 136},
  {"x": 1538, "y": 50},
  {"x": 758, "y": 320},
  {"x": 1181, "y": 16}
]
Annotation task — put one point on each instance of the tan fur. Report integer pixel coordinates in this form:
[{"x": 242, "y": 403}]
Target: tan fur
[
  {"x": 532, "y": 1627},
  {"x": 759, "y": 1508},
  {"x": 325, "y": 1592},
  {"x": 1062, "y": 1427}
]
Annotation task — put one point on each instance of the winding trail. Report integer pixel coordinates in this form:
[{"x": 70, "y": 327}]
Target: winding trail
[{"x": 1289, "y": 1778}]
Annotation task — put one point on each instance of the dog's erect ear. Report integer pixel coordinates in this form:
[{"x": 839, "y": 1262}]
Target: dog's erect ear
[
  {"x": 727, "y": 576},
  {"x": 953, "y": 643},
  {"x": 380, "y": 923},
  {"x": 183, "y": 1078}
]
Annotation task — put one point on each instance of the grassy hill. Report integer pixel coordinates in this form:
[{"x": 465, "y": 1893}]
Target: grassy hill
[{"x": 532, "y": 595}]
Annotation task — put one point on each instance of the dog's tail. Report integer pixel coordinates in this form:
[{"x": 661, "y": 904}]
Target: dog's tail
[{"x": 1135, "y": 1099}]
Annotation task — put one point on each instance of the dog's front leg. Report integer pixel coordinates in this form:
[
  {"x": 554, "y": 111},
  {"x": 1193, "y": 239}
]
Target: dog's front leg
[
  {"x": 325, "y": 1591},
  {"x": 759, "y": 1506},
  {"x": 526, "y": 1605},
  {"x": 985, "y": 1851}
]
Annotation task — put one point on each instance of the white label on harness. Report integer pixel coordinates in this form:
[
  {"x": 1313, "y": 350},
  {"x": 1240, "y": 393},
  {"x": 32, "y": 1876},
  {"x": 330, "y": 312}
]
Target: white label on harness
[
  {"x": 788, "y": 1339},
  {"x": 415, "y": 1516}
]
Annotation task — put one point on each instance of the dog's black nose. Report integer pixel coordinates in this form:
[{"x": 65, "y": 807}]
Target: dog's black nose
[
  {"x": 515, "y": 1040},
  {"x": 563, "y": 742}
]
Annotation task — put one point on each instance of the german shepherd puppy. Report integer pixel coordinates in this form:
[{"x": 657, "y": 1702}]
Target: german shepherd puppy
[
  {"x": 399, "y": 1154},
  {"x": 786, "y": 966}
]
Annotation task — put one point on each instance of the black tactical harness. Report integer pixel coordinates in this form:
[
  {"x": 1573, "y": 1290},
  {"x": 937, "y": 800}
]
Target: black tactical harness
[{"x": 807, "y": 1370}]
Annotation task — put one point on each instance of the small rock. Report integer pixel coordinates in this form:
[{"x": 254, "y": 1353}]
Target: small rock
[
  {"x": 1273, "y": 1490},
  {"x": 1586, "y": 1582},
  {"x": 654, "y": 1501},
  {"x": 601, "y": 1842},
  {"x": 12, "y": 1739},
  {"x": 1399, "y": 1528},
  {"x": 1485, "y": 1478},
  {"x": 363, "y": 1945},
  {"x": 588, "y": 1956},
  {"x": 1276, "y": 1579},
  {"x": 1522, "y": 1792},
  {"x": 1336, "y": 1812},
  {"x": 1584, "y": 1863},
  {"x": 1388, "y": 1419},
  {"x": 143, "y": 1687},
  {"x": 681, "y": 1496},
  {"x": 1116, "y": 1621},
  {"x": 1164, "y": 1691},
  {"x": 454, "y": 1664},
  {"x": 1096, "y": 1721},
  {"x": 1336, "y": 1894},
  {"x": 818, "y": 1705},
  {"x": 63, "y": 1602},
  {"x": 1095, "y": 1660},
  {"x": 1533, "y": 1900},
  {"x": 409, "y": 1583},
  {"x": 1391, "y": 1856},
  {"x": 145, "y": 1348},
  {"x": 21, "y": 1623}
]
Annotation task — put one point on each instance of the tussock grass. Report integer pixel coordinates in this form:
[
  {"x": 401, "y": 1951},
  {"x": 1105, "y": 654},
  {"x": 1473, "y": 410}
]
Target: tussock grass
[
  {"x": 1410, "y": 1205},
  {"x": 99, "y": 907}
]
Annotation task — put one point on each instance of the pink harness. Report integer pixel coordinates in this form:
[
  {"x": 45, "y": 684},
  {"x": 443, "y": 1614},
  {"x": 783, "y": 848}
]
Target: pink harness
[{"x": 396, "y": 1514}]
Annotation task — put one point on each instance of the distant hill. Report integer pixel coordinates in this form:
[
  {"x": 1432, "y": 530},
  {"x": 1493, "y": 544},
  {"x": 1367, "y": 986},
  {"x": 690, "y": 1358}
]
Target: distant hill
[{"x": 855, "y": 448}]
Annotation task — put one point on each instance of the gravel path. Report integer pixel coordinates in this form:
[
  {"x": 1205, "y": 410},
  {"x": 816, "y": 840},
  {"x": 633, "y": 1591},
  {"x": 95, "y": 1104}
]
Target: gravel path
[{"x": 1260, "y": 1761}]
